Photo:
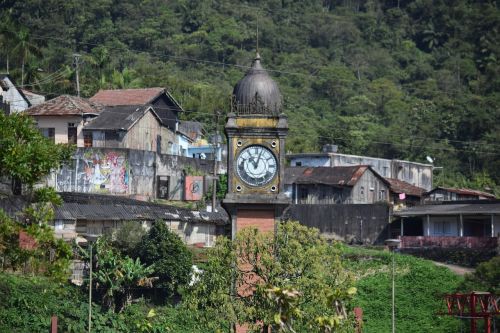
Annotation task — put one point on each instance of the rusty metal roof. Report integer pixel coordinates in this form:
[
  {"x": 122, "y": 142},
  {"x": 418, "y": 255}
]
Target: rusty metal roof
[
  {"x": 399, "y": 186},
  {"x": 464, "y": 191},
  {"x": 127, "y": 96},
  {"x": 336, "y": 176},
  {"x": 65, "y": 105}
]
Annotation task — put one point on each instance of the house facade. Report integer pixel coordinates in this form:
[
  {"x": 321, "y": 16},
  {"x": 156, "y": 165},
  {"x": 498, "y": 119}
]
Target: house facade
[
  {"x": 469, "y": 224},
  {"x": 417, "y": 174},
  {"x": 454, "y": 194},
  {"x": 134, "y": 127},
  {"x": 336, "y": 185},
  {"x": 164, "y": 103},
  {"x": 62, "y": 119},
  {"x": 95, "y": 214}
]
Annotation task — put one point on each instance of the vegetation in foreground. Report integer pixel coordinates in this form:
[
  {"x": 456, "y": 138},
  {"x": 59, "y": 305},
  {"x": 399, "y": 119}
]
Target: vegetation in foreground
[{"x": 26, "y": 303}]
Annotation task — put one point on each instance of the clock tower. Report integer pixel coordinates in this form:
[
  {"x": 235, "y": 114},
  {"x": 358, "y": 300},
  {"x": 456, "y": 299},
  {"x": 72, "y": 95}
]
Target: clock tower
[{"x": 256, "y": 129}]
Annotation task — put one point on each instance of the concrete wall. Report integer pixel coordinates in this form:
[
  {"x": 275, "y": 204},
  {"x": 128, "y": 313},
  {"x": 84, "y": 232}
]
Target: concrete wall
[
  {"x": 12, "y": 96},
  {"x": 60, "y": 125},
  {"x": 126, "y": 172},
  {"x": 417, "y": 174},
  {"x": 312, "y": 161},
  {"x": 351, "y": 223}
]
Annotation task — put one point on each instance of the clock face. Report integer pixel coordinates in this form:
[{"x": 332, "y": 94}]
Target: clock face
[{"x": 256, "y": 165}]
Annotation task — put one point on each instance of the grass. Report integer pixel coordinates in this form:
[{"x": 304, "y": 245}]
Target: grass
[{"x": 418, "y": 284}]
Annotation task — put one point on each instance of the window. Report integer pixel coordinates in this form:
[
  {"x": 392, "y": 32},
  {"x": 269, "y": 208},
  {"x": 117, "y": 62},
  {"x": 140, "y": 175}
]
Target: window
[
  {"x": 298, "y": 163},
  {"x": 72, "y": 131},
  {"x": 442, "y": 228},
  {"x": 163, "y": 182},
  {"x": 87, "y": 139},
  {"x": 362, "y": 190},
  {"x": 381, "y": 195},
  {"x": 158, "y": 144},
  {"x": 111, "y": 136},
  {"x": 49, "y": 133}
]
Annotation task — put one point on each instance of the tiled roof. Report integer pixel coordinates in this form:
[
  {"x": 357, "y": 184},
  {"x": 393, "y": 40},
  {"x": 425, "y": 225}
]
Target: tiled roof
[
  {"x": 127, "y": 96},
  {"x": 337, "y": 176},
  {"x": 118, "y": 117},
  {"x": 399, "y": 186},
  {"x": 65, "y": 105},
  {"x": 465, "y": 191}
]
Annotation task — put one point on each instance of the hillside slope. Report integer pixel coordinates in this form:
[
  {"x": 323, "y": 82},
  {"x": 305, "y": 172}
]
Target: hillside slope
[{"x": 397, "y": 79}]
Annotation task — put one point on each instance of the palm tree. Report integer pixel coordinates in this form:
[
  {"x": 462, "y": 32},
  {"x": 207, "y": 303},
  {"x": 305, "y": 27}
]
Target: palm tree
[{"x": 24, "y": 47}]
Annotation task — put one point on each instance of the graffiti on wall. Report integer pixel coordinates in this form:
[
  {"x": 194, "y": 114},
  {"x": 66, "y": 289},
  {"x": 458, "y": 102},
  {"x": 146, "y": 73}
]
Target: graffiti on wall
[
  {"x": 96, "y": 171},
  {"x": 193, "y": 188}
]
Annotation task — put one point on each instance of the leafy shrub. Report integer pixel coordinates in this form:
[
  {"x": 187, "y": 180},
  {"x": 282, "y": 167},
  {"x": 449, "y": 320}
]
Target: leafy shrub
[
  {"x": 171, "y": 258},
  {"x": 485, "y": 278}
]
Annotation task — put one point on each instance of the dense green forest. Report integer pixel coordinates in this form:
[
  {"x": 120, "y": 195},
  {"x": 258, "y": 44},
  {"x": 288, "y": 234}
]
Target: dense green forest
[{"x": 395, "y": 79}]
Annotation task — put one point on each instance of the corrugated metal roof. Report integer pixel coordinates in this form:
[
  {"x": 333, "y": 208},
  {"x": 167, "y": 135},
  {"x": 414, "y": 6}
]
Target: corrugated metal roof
[
  {"x": 103, "y": 207},
  {"x": 65, "y": 105},
  {"x": 337, "y": 176},
  {"x": 399, "y": 186},
  {"x": 118, "y": 117},
  {"x": 127, "y": 96},
  {"x": 464, "y": 191},
  {"x": 451, "y": 209}
]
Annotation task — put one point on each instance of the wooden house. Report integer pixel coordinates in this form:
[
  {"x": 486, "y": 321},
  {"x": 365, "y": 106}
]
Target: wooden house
[
  {"x": 132, "y": 126},
  {"x": 358, "y": 184},
  {"x": 454, "y": 194},
  {"x": 165, "y": 105}
]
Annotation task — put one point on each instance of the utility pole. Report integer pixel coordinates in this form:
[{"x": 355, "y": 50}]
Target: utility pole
[
  {"x": 216, "y": 146},
  {"x": 76, "y": 65}
]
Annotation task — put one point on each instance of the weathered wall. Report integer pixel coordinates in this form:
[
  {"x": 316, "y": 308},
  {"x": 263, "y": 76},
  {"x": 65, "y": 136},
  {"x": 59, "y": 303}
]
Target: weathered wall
[
  {"x": 312, "y": 161},
  {"x": 95, "y": 171},
  {"x": 351, "y": 223},
  {"x": 60, "y": 125},
  {"x": 414, "y": 173},
  {"x": 176, "y": 167},
  {"x": 126, "y": 172},
  {"x": 143, "y": 135},
  {"x": 369, "y": 189}
]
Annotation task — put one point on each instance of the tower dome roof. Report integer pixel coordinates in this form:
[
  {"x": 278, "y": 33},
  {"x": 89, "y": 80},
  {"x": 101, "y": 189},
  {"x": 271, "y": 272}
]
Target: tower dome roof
[{"x": 257, "y": 92}]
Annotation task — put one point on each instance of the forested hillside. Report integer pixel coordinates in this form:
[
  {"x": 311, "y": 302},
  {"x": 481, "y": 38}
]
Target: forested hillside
[{"x": 395, "y": 79}]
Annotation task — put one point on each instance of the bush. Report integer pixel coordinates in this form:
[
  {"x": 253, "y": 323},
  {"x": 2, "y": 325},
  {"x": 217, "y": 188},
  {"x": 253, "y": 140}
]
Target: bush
[
  {"x": 485, "y": 278},
  {"x": 171, "y": 258}
]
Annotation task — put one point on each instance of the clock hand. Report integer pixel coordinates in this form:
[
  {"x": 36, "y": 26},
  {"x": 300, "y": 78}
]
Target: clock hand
[{"x": 258, "y": 159}]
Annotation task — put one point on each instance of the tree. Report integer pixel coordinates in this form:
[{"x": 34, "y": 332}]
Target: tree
[
  {"x": 171, "y": 258},
  {"x": 292, "y": 281},
  {"x": 24, "y": 48},
  {"x": 128, "y": 237},
  {"x": 25, "y": 154},
  {"x": 116, "y": 276}
]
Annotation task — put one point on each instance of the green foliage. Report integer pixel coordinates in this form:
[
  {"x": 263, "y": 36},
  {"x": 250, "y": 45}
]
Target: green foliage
[
  {"x": 116, "y": 276},
  {"x": 396, "y": 79},
  {"x": 419, "y": 286},
  {"x": 27, "y": 303},
  {"x": 171, "y": 258},
  {"x": 292, "y": 281},
  {"x": 25, "y": 154},
  {"x": 486, "y": 277},
  {"x": 128, "y": 236}
]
